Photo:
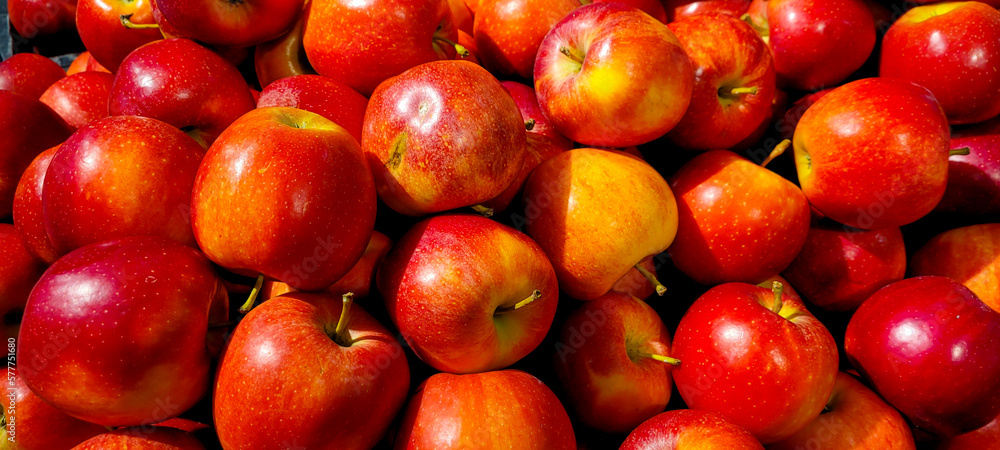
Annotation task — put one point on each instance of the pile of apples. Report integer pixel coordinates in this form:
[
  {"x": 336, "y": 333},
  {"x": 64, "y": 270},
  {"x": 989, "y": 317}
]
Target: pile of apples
[{"x": 521, "y": 224}]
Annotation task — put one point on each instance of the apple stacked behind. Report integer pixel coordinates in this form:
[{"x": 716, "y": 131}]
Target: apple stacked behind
[
  {"x": 974, "y": 179},
  {"x": 234, "y": 24},
  {"x": 108, "y": 41},
  {"x": 283, "y": 57},
  {"x": 508, "y": 33},
  {"x": 56, "y": 16},
  {"x": 28, "y": 220},
  {"x": 36, "y": 420},
  {"x": 21, "y": 270},
  {"x": 358, "y": 281},
  {"x": 29, "y": 74},
  {"x": 324, "y": 96},
  {"x": 80, "y": 98},
  {"x": 690, "y": 429},
  {"x": 144, "y": 437},
  {"x": 969, "y": 255}
]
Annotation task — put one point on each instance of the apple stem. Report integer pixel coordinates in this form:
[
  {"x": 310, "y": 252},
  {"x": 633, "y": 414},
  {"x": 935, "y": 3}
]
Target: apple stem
[
  {"x": 529, "y": 124},
  {"x": 740, "y": 91},
  {"x": 109, "y": 428},
  {"x": 571, "y": 55},
  {"x": 459, "y": 48},
  {"x": 128, "y": 23},
  {"x": 777, "y": 288},
  {"x": 660, "y": 288},
  {"x": 778, "y": 150},
  {"x": 253, "y": 295},
  {"x": 485, "y": 211},
  {"x": 535, "y": 295},
  {"x": 340, "y": 335},
  {"x": 661, "y": 358},
  {"x": 959, "y": 151}
]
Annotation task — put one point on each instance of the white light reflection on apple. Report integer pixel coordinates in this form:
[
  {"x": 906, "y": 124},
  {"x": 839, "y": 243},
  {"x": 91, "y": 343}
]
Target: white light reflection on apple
[{"x": 911, "y": 337}]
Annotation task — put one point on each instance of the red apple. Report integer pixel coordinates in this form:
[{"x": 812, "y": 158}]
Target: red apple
[
  {"x": 756, "y": 357},
  {"x": 233, "y": 23},
  {"x": 99, "y": 23},
  {"x": 33, "y": 18},
  {"x": 969, "y": 255},
  {"x": 636, "y": 283},
  {"x": 654, "y": 8},
  {"x": 985, "y": 438},
  {"x": 461, "y": 15},
  {"x": 952, "y": 49},
  {"x": 733, "y": 82},
  {"x": 873, "y": 153},
  {"x": 85, "y": 63},
  {"x": 147, "y": 437},
  {"x": 508, "y": 32},
  {"x": 19, "y": 270},
  {"x": 30, "y": 423},
  {"x": 183, "y": 84},
  {"x": 973, "y": 179},
  {"x": 28, "y": 209},
  {"x": 609, "y": 75},
  {"x": 683, "y": 9},
  {"x": 491, "y": 410},
  {"x": 336, "y": 374},
  {"x": 321, "y": 95},
  {"x": 928, "y": 346},
  {"x": 285, "y": 193},
  {"x": 81, "y": 98},
  {"x": 692, "y": 429},
  {"x": 138, "y": 354},
  {"x": 358, "y": 281},
  {"x": 282, "y": 57},
  {"x": 29, "y": 74},
  {"x": 442, "y": 135}
]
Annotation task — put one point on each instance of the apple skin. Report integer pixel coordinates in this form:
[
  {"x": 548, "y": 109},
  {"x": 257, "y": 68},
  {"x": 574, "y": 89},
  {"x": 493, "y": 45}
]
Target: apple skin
[
  {"x": 231, "y": 24},
  {"x": 597, "y": 213},
  {"x": 364, "y": 43},
  {"x": 678, "y": 10},
  {"x": 725, "y": 53},
  {"x": 490, "y": 410},
  {"x": 358, "y": 280},
  {"x": 508, "y": 32},
  {"x": 147, "y": 437},
  {"x": 28, "y": 209},
  {"x": 100, "y": 27},
  {"x": 28, "y": 127},
  {"x": 85, "y": 63},
  {"x": 29, "y": 74},
  {"x": 33, "y": 18},
  {"x": 272, "y": 194},
  {"x": 602, "y": 362},
  {"x": 763, "y": 371},
  {"x": 120, "y": 176},
  {"x": 442, "y": 135},
  {"x": 840, "y": 267},
  {"x": 146, "y": 297},
  {"x": 453, "y": 272},
  {"x": 973, "y": 179},
  {"x": 873, "y": 153},
  {"x": 282, "y": 359},
  {"x": 282, "y": 57},
  {"x": 321, "y": 95},
  {"x": 19, "y": 271},
  {"x": 969, "y": 255},
  {"x": 737, "y": 221},
  {"x": 985, "y": 438},
  {"x": 692, "y": 429},
  {"x": 633, "y": 84},
  {"x": 81, "y": 98},
  {"x": 951, "y": 49},
  {"x": 35, "y": 421},
  {"x": 928, "y": 346},
  {"x": 636, "y": 284},
  {"x": 183, "y": 84}
]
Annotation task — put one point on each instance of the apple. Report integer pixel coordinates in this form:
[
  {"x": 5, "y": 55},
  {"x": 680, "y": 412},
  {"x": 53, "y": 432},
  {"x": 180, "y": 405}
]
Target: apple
[
  {"x": 508, "y": 32},
  {"x": 734, "y": 82},
  {"x": 34, "y": 18},
  {"x": 234, "y": 24},
  {"x": 490, "y": 286},
  {"x": 655, "y": 8},
  {"x": 19, "y": 270},
  {"x": 85, "y": 63},
  {"x": 358, "y": 281},
  {"x": 145, "y": 437},
  {"x": 32, "y": 422},
  {"x": 873, "y": 153},
  {"x": 27, "y": 211},
  {"x": 80, "y": 98},
  {"x": 491, "y": 410},
  {"x": 969, "y": 255},
  {"x": 284, "y": 193},
  {"x": 609, "y": 75},
  {"x": 928, "y": 346},
  {"x": 757, "y": 357},
  {"x": 139, "y": 351},
  {"x": 440, "y": 136},
  {"x": 183, "y": 84},
  {"x": 855, "y": 417},
  {"x": 321, "y": 95},
  {"x": 597, "y": 213},
  {"x": 840, "y": 267},
  {"x": 985, "y": 438},
  {"x": 973, "y": 179},
  {"x": 282, "y": 57},
  {"x": 29, "y": 74},
  {"x": 613, "y": 361},
  {"x": 682, "y": 429},
  {"x": 639, "y": 283},
  {"x": 682, "y": 9},
  {"x": 99, "y": 23},
  {"x": 362, "y": 44},
  {"x": 951, "y": 49},
  {"x": 737, "y": 221},
  {"x": 337, "y": 376}
]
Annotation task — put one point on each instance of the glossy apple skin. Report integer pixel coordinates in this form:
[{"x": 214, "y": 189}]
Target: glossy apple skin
[
  {"x": 873, "y": 153},
  {"x": 321, "y": 95},
  {"x": 969, "y": 255},
  {"x": 120, "y": 176},
  {"x": 682, "y": 9},
  {"x": 442, "y": 135},
  {"x": 634, "y": 83},
  {"x": 597, "y": 213},
  {"x": 609, "y": 383},
  {"x": 28, "y": 128},
  {"x": 183, "y": 84},
  {"x": 146, "y": 437},
  {"x": 28, "y": 219},
  {"x": 282, "y": 57},
  {"x": 490, "y": 410},
  {"x": 973, "y": 179},
  {"x": 358, "y": 280},
  {"x": 737, "y": 221},
  {"x": 364, "y": 43},
  {"x": 857, "y": 418},
  {"x": 951, "y": 49},
  {"x": 840, "y": 267},
  {"x": 29, "y": 74},
  {"x": 272, "y": 194},
  {"x": 790, "y": 119},
  {"x": 85, "y": 63},
  {"x": 100, "y": 27},
  {"x": 282, "y": 357},
  {"x": 19, "y": 270},
  {"x": 508, "y": 32},
  {"x": 453, "y": 272},
  {"x": 764, "y": 372},
  {"x": 928, "y": 346},
  {"x": 725, "y": 53},
  {"x": 33, "y": 18},
  {"x": 35, "y": 421},
  {"x": 81, "y": 98},
  {"x": 985, "y": 438},
  {"x": 691, "y": 429},
  {"x": 123, "y": 285},
  {"x": 229, "y": 24}
]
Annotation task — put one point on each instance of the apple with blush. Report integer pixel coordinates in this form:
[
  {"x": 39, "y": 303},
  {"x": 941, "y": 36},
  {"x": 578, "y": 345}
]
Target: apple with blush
[
  {"x": 80, "y": 98},
  {"x": 102, "y": 31},
  {"x": 85, "y": 63},
  {"x": 969, "y": 255},
  {"x": 34, "y": 18},
  {"x": 242, "y": 23},
  {"x": 33, "y": 421},
  {"x": 985, "y": 438},
  {"x": 321, "y": 95},
  {"x": 29, "y": 74},
  {"x": 150, "y": 437},
  {"x": 973, "y": 179},
  {"x": 282, "y": 57},
  {"x": 28, "y": 221},
  {"x": 689, "y": 429},
  {"x": 508, "y": 32},
  {"x": 19, "y": 270}
]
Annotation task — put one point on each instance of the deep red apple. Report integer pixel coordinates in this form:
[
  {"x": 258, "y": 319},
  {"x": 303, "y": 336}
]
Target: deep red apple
[
  {"x": 99, "y": 23},
  {"x": 690, "y": 429},
  {"x": 928, "y": 346},
  {"x": 491, "y": 410},
  {"x": 29, "y": 74},
  {"x": 19, "y": 270},
  {"x": 321, "y": 95},
  {"x": 985, "y": 438},
  {"x": 147, "y": 437},
  {"x": 973, "y": 179},
  {"x": 969, "y": 255},
  {"x": 227, "y": 23},
  {"x": 359, "y": 279},
  {"x": 28, "y": 209},
  {"x": 34, "y": 422},
  {"x": 33, "y": 18},
  {"x": 508, "y": 32},
  {"x": 81, "y": 98}
]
